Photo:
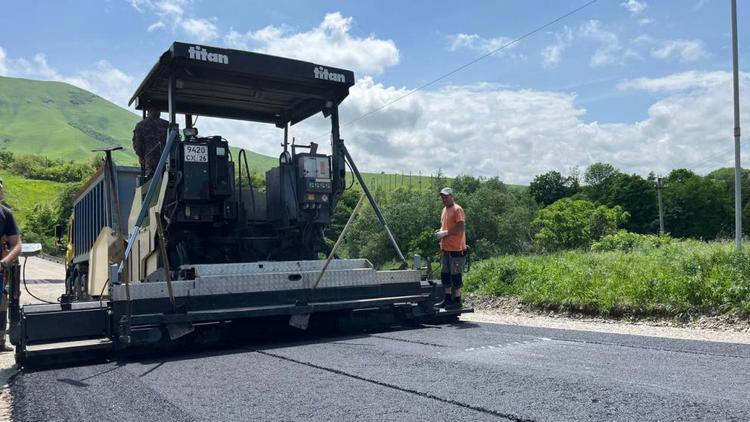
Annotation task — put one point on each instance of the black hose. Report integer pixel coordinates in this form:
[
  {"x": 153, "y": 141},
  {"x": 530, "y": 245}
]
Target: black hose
[
  {"x": 101, "y": 303},
  {"x": 23, "y": 272},
  {"x": 242, "y": 157},
  {"x": 249, "y": 178},
  {"x": 353, "y": 178}
]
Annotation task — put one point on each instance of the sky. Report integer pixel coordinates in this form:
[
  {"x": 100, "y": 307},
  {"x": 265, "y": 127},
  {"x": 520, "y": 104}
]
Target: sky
[{"x": 645, "y": 85}]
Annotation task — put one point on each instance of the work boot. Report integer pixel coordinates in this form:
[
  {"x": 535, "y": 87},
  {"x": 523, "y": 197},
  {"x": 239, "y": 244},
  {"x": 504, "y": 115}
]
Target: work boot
[
  {"x": 445, "y": 303},
  {"x": 455, "y": 304},
  {"x": 5, "y": 348}
]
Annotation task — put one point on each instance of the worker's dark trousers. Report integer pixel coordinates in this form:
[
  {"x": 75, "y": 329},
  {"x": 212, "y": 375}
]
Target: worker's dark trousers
[{"x": 3, "y": 310}]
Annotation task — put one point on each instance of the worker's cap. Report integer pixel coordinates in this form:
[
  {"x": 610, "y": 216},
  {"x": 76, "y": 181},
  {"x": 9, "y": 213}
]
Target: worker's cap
[
  {"x": 150, "y": 105},
  {"x": 446, "y": 191}
]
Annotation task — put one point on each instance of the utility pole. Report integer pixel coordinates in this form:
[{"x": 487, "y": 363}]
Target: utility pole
[
  {"x": 661, "y": 205},
  {"x": 737, "y": 167}
]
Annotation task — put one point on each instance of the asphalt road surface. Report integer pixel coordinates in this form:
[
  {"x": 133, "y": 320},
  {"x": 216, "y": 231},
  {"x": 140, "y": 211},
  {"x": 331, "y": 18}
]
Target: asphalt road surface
[{"x": 465, "y": 371}]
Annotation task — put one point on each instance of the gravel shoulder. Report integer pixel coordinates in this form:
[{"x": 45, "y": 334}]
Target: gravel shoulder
[{"x": 509, "y": 311}]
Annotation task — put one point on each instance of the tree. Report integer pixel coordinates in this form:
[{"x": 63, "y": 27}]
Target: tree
[
  {"x": 344, "y": 207},
  {"x": 466, "y": 184},
  {"x": 552, "y": 186},
  {"x": 606, "y": 185},
  {"x": 695, "y": 206},
  {"x": 498, "y": 221},
  {"x": 598, "y": 179},
  {"x": 638, "y": 197},
  {"x": 724, "y": 178},
  {"x": 570, "y": 224}
]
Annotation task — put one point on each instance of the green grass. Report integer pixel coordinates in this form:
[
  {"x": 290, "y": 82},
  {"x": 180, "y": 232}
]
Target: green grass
[
  {"x": 22, "y": 194},
  {"x": 389, "y": 182},
  {"x": 670, "y": 279},
  {"x": 257, "y": 163},
  {"x": 58, "y": 120}
]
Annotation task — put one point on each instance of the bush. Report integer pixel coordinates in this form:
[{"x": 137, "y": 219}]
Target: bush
[
  {"x": 575, "y": 223},
  {"x": 661, "y": 276},
  {"x": 625, "y": 241},
  {"x": 40, "y": 221},
  {"x": 6, "y": 159},
  {"x": 40, "y": 168}
]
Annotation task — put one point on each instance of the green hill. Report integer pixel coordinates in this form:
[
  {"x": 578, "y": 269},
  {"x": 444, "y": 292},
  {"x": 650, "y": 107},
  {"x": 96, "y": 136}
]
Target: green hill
[
  {"x": 61, "y": 121},
  {"x": 58, "y": 120},
  {"x": 22, "y": 194}
]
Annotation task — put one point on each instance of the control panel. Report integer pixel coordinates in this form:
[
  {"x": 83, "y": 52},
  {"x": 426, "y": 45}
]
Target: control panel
[{"x": 315, "y": 185}]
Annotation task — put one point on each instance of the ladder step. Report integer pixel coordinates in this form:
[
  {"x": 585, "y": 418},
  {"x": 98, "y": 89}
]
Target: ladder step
[{"x": 68, "y": 346}]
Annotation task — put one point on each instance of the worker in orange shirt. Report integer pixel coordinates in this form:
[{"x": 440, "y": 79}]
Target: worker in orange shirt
[{"x": 452, "y": 237}]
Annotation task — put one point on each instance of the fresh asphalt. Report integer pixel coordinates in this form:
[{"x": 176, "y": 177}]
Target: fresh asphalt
[{"x": 463, "y": 371}]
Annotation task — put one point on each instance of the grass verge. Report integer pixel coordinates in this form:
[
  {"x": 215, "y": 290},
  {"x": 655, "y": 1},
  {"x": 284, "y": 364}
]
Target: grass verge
[{"x": 666, "y": 278}]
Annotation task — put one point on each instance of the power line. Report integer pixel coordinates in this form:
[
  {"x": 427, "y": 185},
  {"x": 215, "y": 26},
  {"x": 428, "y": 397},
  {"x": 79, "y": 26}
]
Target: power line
[
  {"x": 708, "y": 162},
  {"x": 464, "y": 66}
]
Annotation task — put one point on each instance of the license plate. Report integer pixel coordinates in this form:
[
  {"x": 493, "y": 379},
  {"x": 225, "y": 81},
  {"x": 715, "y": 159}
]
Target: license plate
[{"x": 196, "y": 153}]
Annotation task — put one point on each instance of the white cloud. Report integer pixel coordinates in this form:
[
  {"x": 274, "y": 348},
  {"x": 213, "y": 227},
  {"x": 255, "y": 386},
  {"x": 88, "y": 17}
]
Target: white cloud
[
  {"x": 480, "y": 129},
  {"x": 155, "y": 26},
  {"x": 37, "y": 67},
  {"x": 3, "y": 66},
  {"x": 106, "y": 81},
  {"x": 486, "y": 129},
  {"x": 200, "y": 29},
  {"x": 175, "y": 16},
  {"x": 677, "y": 82},
  {"x": 645, "y": 21},
  {"x": 101, "y": 78},
  {"x": 609, "y": 51},
  {"x": 634, "y": 7},
  {"x": 552, "y": 54},
  {"x": 477, "y": 43},
  {"x": 700, "y": 4},
  {"x": 171, "y": 7},
  {"x": 139, "y": 5},
  {"x": 682, "y": 50},
  {"x": 330, "y": 43}
]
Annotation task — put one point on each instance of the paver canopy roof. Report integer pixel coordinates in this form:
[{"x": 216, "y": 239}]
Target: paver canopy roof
[{"x": 237, "y": 84}]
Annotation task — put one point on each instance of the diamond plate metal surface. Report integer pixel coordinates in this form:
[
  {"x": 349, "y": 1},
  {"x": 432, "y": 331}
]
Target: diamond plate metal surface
[
  {"x": 251, "y": 277},
  {"x": 404, "y": 276},
  {"x": 289, "y": 281},
  {"x": 264, "y": 267},
  {"x": 152, "y": 290}
]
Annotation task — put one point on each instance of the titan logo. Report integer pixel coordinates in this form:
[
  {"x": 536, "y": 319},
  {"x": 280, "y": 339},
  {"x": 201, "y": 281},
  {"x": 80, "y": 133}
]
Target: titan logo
[
  {"x": 198, "y": 53},
  {"x": 323, "y": 73}
]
